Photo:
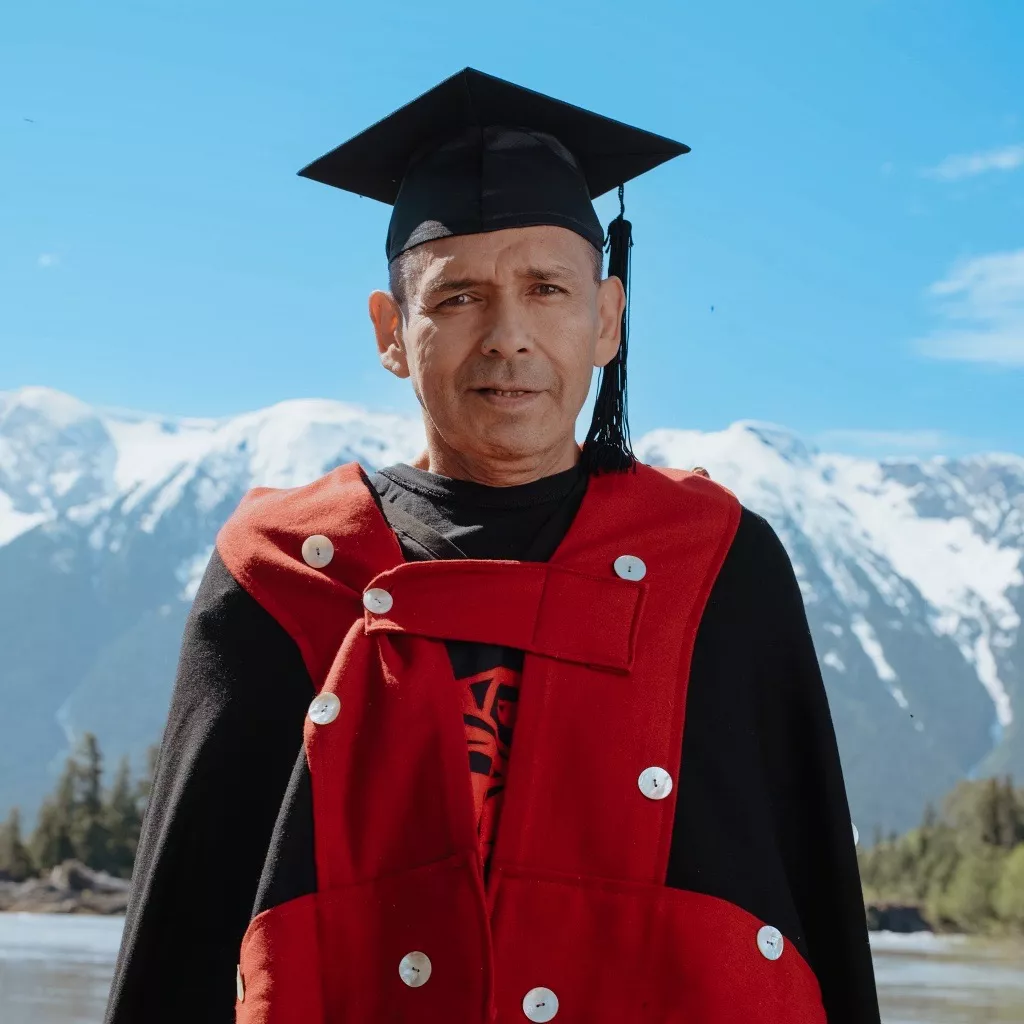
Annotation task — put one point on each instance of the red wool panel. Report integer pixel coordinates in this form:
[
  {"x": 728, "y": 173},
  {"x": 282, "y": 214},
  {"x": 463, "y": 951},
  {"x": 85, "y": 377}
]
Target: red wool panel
[
  {"x": 575, "y": 900},
  {"x": 367, "y": 930},
  {"x": 547, "y": 609},
  {"x": 261, "y": 544},
  {"x": 595, "y": 821},
  {"x": 641, "y": 955},
  {"x": 280, "y": 967},
  {"x": 391, "y": 785}
]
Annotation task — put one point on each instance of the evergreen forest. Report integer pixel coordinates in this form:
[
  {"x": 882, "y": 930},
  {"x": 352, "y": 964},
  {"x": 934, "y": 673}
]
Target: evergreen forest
[{"x": 82, "y": 819}]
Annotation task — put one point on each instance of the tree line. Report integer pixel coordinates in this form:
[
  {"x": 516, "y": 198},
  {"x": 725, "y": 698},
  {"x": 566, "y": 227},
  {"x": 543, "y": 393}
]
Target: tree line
[
  {"x": 82, "y": 819},
  {"x": 962, "y": 867}
]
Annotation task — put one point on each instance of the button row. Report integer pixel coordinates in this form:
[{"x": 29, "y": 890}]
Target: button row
[
  {"x": 655, "y": 783},
  {"x": 541, "y": 1004},
  {"x": 318, "y": 551}
]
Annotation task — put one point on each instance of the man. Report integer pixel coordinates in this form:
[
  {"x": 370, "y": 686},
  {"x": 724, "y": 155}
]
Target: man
[{"x": 653, "y": 825}]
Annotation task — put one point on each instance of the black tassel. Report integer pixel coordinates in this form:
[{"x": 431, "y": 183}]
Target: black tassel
[{"x": 607, "y": 447}]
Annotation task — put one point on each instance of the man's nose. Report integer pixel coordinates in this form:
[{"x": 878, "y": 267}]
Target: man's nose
[{"x": 508, "y": 330}]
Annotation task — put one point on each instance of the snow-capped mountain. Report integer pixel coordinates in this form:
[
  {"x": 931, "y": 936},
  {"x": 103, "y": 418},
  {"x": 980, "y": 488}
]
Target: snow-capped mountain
[{"x": 912, "y": 571}]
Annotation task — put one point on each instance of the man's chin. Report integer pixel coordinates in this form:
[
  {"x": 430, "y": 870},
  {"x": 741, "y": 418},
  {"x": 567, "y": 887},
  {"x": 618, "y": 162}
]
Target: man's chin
[{"x": 503, "y": 441}]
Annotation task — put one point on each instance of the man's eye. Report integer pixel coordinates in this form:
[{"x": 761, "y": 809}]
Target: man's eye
[{"x": 454, "y": 299}]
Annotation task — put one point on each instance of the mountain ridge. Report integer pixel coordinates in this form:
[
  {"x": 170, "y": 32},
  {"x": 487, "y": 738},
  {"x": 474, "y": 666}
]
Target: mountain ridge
[{"x": 911, "y": 571}]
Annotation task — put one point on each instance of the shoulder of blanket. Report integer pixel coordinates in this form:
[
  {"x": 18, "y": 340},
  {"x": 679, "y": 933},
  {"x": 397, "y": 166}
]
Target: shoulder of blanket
[
  {"x": 687, "y": 518},
  {"x": 267, "y": 529},
  {"x": 315, "y": 601},
  {"x": 698, "y": 485}
]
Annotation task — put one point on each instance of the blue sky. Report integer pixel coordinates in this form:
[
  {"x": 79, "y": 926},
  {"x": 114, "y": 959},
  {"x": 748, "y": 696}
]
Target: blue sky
[{"x": 853, "y": 207}]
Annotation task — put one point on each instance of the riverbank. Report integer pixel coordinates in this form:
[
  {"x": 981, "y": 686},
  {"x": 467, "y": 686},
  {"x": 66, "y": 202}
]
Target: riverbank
[{"x": 72, "y": 888}]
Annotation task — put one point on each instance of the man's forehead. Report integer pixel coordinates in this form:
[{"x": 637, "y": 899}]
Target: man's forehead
[{"x": 533, "y": 251}]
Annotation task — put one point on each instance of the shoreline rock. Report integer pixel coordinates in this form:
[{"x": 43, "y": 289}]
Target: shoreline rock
[
  {"x": 69, "y": 888},
  {"x": 894, "y": 917}
]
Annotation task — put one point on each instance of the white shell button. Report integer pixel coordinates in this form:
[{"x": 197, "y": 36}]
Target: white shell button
[
  {"x": 629, "y": 567},
  {"x": 377, "y": 600},
  {"x": 770, "y": 942},
  {"x": 317, "y": 550},
  {"x": 655, "y": 783},
  {"x": 324, "y": 708},
  {"x": 540, "y": 1004},
  {"x": 414, "y": 969}
]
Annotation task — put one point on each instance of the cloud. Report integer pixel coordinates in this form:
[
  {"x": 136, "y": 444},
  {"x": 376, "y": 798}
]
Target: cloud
[
  {"x": 967, "y": 165},
  {"x": 47, "y": 259},
  {"x": 982, "y": 301},
  {"x": 888, "y": 442}
]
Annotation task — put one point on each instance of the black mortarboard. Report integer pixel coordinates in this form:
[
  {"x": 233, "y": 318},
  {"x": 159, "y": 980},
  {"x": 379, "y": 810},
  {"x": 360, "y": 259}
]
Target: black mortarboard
[{"x": 477, "y": 153}]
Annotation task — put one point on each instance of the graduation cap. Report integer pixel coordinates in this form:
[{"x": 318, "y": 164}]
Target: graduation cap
[{"x": 477, "y": 153}]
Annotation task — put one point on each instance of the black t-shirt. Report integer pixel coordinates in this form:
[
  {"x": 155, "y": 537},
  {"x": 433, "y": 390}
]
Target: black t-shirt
[
  {"x": 439, "y": 517},
  {"x": 451, "y": 518}
]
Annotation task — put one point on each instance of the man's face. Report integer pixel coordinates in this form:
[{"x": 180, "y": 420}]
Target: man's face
[{"x": 516, "y": 310}]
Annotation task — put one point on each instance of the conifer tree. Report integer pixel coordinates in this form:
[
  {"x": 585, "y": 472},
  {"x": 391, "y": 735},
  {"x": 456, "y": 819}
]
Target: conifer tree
[
  {"x": 52, "y": 842},
  {"x": 930, "y": 817},
  {"x": 90, "y": 834},
  {"x": 122, "y": 820},
  {"x": 1008, "y": 824},
  {"x": 15, "y": 859}
]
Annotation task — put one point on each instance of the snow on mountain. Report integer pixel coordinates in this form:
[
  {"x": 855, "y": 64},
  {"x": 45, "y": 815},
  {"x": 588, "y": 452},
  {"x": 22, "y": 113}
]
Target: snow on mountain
[
  {"x": 61, "y": 458},
  {"x": 912, "y": 573},
  {"x": 906, "y": 525}
]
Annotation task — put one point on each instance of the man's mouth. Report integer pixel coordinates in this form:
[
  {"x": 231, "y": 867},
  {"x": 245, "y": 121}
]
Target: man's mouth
[{"x": 507, "y": 398}]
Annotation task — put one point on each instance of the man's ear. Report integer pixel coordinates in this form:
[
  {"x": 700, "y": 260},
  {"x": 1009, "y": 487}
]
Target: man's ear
[
  {"x": 387, "y": 326},
  {"x": 611, "y": 301}
]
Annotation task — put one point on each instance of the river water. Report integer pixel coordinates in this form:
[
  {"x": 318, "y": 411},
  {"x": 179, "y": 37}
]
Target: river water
[{"x": 55, "y": 969}]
